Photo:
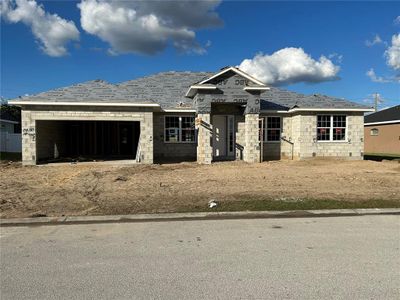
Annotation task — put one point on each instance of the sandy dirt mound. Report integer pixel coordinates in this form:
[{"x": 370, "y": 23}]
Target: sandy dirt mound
[{"x": 90, "y": 189}]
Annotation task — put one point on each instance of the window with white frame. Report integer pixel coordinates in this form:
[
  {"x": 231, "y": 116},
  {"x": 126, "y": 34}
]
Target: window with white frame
[
  {"x": 331, "y": 128},
  {"x": 374, "y": 131},
  {"x": 272, "y": 129},
  {"x": 179, "y": 129}
]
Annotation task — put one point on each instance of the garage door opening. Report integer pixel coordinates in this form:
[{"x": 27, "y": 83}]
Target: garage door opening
[{"x": 86, "y": 140}]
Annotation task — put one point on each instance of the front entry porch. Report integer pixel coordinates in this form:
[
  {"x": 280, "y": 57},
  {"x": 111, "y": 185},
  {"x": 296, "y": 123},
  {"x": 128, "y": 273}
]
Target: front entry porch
[{"x": 227, "y": 137}]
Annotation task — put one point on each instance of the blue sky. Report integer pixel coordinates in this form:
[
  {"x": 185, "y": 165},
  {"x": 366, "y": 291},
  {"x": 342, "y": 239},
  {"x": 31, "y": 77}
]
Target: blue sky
[{"x": 235, "y": 31}]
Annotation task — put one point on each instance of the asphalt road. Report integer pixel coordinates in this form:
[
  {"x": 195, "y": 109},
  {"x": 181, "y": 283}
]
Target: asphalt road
[{"x": 305, "y": 258}]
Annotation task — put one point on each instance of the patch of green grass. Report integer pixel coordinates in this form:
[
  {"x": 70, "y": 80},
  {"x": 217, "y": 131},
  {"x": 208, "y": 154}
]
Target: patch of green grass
[
  {"x": 298, "y": 204},
  {"x": 10, "y": 156}
]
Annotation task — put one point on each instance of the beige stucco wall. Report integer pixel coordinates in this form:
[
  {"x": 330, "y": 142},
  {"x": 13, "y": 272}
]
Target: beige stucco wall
[
  {"x": 386, "y": 142},
  {"x": 32, "y": 114}
]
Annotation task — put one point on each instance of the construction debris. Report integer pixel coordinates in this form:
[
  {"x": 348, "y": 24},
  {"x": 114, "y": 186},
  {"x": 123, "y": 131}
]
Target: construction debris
[{"x": 212, "y": 204}]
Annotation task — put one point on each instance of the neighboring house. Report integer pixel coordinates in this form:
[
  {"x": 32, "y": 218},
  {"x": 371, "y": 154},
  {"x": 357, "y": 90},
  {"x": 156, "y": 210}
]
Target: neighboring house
[
  {"x": 382, "y": 131},
  {"x": 10, "y": 122},
  {"x": 188, "y": 116},
  {"x": 10, "y": 129}
]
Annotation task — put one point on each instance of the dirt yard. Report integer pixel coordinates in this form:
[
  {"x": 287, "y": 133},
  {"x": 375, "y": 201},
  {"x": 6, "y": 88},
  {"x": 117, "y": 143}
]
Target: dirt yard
[{"x": 92, "y": 189}]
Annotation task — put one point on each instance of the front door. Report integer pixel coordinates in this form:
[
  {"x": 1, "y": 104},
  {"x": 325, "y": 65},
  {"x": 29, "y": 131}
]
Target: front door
[{"x": 223, "y": 137}]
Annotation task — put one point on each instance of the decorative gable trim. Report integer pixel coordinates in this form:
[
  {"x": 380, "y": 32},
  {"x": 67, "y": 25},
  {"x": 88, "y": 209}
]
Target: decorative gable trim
[
  {"x": 192, "y": 89},
  {"x": 237, "y": 71},
  {"x": 256, "y": 88}
]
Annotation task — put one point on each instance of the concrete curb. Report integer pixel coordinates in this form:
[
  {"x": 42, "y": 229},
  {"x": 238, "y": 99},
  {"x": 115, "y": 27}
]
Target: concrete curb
[{"x": 164, "y": 217}]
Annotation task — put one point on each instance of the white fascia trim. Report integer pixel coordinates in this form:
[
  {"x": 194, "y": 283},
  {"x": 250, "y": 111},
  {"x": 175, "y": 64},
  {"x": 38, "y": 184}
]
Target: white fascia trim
[
  {"x": 16, "y": 102},
  {"x": 382, "y": 123},
  {"x": 237, "y": 71},
  {"x": 274, "y": 111},
  {"x": 8, "y": 121},
  {"x": 333, "y": 109},
  {"x": 203, "y": 87},
  {"x": 254, "y": 88},
  {"x": 198, "y": 87},
  {"x": 180, "y": 110}
]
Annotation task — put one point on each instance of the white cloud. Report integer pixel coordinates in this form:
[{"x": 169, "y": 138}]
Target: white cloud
[
  {"x": 147, "y": 27},
  {"x": 396, "y": 21},
  {"x": 290, "y": 65},
  {"x": 376, "y": 40},
  {"x": 392, "y": 54},
  {"x": 337, "y": 57},
  {"x": 51, "y": 31},
  {"x": 372, "y": 75}
]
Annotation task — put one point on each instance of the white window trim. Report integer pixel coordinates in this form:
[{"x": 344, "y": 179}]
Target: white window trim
[
  {"x": 179, "y": 130},
  {"x": 265, "y": 130},
  {"x": 374, "y": 129},
  {"x": 331, "y": 130}
]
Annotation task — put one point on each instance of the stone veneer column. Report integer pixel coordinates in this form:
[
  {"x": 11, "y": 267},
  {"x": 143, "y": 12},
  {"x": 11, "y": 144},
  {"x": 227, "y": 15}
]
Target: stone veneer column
[
  {"x": 146, "y": 138},
  {"x": 204, "y": 136},
  {"x": 252, "y": 145},
  {"x": 28, "y": 138}
]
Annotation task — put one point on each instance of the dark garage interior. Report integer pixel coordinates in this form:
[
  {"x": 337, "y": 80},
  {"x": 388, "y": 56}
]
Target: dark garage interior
[{"x": 86, "y": 140}]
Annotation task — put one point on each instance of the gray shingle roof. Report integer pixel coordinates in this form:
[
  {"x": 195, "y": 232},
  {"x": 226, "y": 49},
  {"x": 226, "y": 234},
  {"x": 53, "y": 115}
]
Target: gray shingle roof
[
  {"x": 89, "y": 91},
  {"x": 386, "y": 115},
  {"x": 278, "y": 99},
  {"x": 169, "y": 88}
]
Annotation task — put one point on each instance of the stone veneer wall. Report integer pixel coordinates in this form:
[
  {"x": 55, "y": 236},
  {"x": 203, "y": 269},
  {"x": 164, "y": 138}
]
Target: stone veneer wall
[
  {"x": 301, "y": 130},
  {"x": 31, "y": 114},
  {"x": 240, "y": 136},
  {"x": 286, "y": 146},
  {"x": 204, "y": 138},
  {"x": 298, "y": 128},
  {"x": 173, "y": 151},
  {"x": 252, "y": 144},
  {"x": 304, "y": 135}
]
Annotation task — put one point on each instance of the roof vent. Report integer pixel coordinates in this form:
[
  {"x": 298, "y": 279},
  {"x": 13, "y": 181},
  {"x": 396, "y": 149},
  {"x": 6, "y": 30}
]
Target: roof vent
[{"x": 224, "y": 68}]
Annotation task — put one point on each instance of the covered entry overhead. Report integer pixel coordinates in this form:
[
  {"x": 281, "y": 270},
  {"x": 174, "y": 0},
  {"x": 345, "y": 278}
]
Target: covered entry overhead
[{"x": 66, "y": 140}]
